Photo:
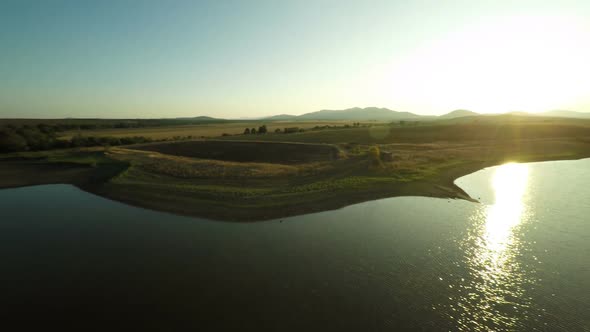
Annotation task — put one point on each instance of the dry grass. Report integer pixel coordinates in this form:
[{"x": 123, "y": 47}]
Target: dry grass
[
  {"x": 410, "y": 161},
  {"x": 186, "y": 167},
  {"x": 204, "y": 130},
  {"x": 507, "y": 130},
  {"x": 246, "y": 151}
]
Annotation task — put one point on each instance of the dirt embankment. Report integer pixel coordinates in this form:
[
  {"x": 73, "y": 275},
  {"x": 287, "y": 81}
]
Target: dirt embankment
[{"x": 250, "y": 151}]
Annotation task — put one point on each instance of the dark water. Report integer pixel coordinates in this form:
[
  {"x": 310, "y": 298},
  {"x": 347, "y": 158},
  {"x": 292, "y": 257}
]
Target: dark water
[{"x": 520, "y": 261}]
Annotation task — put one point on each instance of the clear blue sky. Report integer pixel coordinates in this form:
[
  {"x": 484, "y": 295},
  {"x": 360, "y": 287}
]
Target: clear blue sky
[{"x": 253, "y": 58}]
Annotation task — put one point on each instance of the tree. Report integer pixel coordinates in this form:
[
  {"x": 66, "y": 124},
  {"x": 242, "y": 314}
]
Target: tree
[
  {"x": 262, "y": 129},
  {"x": 247, "y": 131},
  {"x": 12, "y": 142},
  {"x": 375, "y": 156},
  {"x": 278, "y": 130},
  {"x": 253, "y": 131},
  {"x": 36, "y": 139},
  {"x": 46, "y": 129}
]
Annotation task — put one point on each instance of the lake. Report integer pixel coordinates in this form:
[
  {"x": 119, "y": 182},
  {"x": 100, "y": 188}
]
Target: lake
[{"x": 517, "y": 261}]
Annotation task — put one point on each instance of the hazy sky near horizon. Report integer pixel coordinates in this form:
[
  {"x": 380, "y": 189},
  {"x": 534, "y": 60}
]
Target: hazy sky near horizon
[{"x": 237, "y": 59}]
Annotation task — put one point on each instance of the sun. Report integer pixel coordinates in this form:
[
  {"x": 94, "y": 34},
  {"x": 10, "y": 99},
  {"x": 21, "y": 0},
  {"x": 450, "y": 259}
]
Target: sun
[{"x": 528, "y": 63}]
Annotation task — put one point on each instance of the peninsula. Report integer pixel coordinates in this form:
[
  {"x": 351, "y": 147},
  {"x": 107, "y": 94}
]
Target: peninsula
[{"x": 281, "y": 172}]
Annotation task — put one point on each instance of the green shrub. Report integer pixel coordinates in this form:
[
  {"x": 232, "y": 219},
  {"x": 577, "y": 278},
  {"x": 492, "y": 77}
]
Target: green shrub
[
  {"x": 12, "y": 142},
  {"x": 374, "y": 155}
]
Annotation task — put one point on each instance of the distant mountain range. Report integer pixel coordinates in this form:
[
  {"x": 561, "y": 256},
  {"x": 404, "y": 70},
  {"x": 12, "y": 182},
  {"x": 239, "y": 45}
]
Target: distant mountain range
[
  {"x": 281, "y": 117},
  {"x": 385, "y": 114},
  {"x": 201, "y": 118},
  {"x": 566, "y": 114},
  {"x": 368, "y": 113},
  {"x": 458, "y": 114}
]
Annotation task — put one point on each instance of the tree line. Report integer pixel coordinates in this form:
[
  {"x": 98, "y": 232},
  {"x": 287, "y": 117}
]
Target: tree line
[
  {"x": 91, "y": 124},
  {"x": 261, "y": 130},
  {"x": 44, "y": 137}
]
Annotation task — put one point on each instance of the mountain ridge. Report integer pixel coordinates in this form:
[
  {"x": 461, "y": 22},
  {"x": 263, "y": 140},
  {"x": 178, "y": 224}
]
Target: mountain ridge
[
  {"x": 385, "y": 114},
  {"x": 458, "y": 114},
  {"x": 367, "y": 113}
]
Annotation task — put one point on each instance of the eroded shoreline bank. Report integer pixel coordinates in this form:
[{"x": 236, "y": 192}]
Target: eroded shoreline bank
[{"x": 96, "y": 179}]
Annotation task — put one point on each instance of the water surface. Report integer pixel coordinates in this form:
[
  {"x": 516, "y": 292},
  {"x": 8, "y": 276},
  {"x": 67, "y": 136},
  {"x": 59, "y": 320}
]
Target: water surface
[{"x": 519, "y": 261}]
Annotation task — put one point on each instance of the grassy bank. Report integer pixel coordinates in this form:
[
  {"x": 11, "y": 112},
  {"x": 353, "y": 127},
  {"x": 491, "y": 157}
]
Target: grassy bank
[{"x": 257, "y": 191}]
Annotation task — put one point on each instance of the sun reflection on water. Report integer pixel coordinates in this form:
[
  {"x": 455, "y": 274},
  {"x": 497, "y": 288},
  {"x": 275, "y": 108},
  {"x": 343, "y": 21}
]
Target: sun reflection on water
[
  {"x": 494, "y": 297},
  {"x": 509, "y": 183}
]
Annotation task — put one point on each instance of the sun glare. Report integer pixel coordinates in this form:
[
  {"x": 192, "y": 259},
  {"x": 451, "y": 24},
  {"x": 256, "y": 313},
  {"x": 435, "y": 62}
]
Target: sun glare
[
  {"x": 516, "y": 63},
  {"x": 509, "y": 183}
]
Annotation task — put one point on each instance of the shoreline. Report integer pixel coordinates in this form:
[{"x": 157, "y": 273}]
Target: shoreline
[{"x": 441, "y": 185}]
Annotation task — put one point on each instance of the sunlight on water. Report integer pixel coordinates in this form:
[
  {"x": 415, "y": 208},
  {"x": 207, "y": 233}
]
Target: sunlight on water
[
  {"x": 495, "y": 299},
  {"x": 509, "y": 185}
]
